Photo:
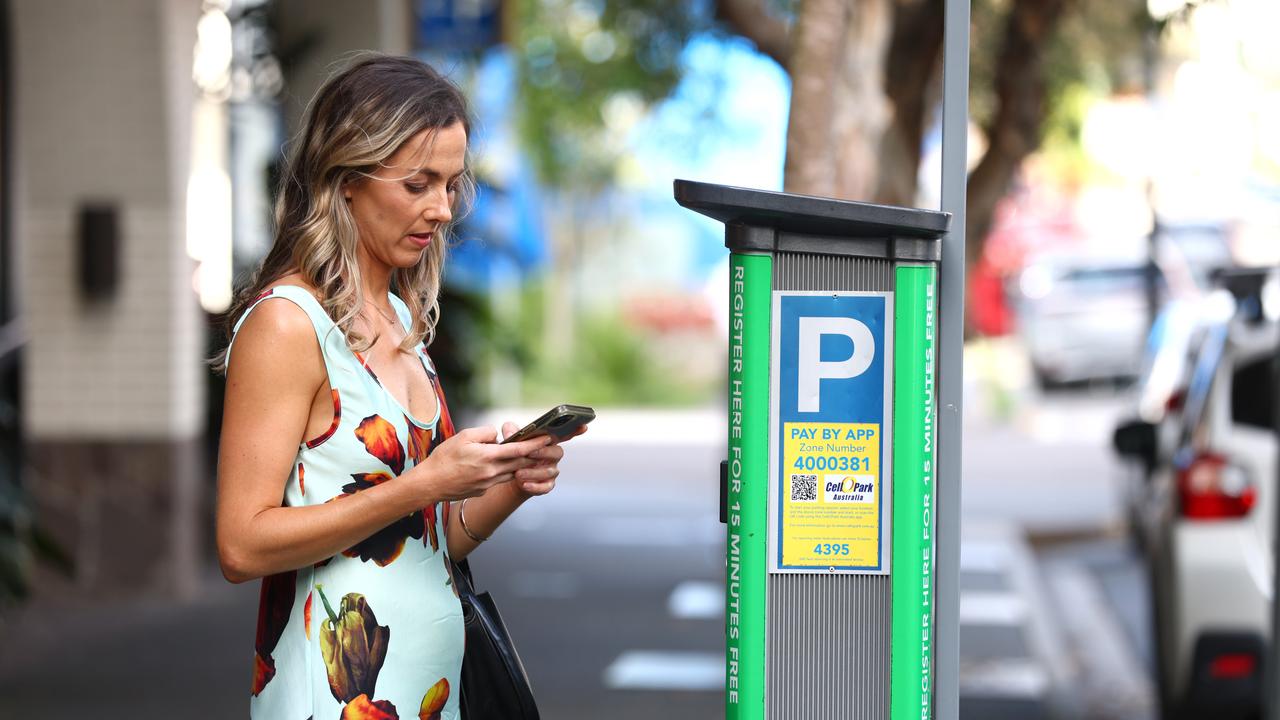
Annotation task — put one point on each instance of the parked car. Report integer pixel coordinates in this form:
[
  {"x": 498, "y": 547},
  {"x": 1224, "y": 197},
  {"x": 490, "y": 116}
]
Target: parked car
[
  {"x": 1176, "y": 337},
  {"x": 1084, "y": 317},
  {"x": 1084, "y": 312},
  {"x": 1205, "y": 517},
  {"x": 1191, "y": 254},
  {"x": 1160, "y": 391}
]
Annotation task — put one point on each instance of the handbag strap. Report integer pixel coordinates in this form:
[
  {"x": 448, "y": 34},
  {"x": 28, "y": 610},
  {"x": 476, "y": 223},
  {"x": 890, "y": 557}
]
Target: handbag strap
[{"x": 462, "y": 574}]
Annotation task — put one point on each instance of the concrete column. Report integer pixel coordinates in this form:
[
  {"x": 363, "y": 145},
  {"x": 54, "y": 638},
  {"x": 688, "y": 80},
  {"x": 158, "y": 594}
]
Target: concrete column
[{"x": 113, "y": 387}]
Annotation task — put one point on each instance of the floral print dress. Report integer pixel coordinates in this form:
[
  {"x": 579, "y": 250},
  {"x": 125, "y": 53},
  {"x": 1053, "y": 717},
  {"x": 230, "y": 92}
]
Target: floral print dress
[{"x": 375, "y": 632}]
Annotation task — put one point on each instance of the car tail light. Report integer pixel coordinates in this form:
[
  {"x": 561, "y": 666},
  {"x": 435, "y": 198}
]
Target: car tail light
[
  {"x": 1232, "y": 666},
  {"x": 1210, "y": 488}
]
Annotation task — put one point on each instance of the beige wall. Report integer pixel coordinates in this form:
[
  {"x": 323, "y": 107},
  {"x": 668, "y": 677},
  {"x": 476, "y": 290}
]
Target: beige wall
[
  {"x": 103, "y": 96},
  {"x": 113, "y": 390},
  {"x": 113, "y": 405}
]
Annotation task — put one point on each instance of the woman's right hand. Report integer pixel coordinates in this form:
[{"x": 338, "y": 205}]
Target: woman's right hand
[{"x": 471, "y": 462}]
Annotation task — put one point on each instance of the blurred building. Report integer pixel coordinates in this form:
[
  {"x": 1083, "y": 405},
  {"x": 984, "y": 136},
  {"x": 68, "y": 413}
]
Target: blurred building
[
  {"x": 111, "y": 378},
  {"x": 111, "y": 226}
]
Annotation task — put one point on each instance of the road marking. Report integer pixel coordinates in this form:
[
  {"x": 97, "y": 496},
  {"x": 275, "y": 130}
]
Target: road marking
[
  {"x": 546, "y": 585},
  {"x": 992, "y": 608},
  {"x": 999, "y": 549},
  {"x": 1111, "y": 679},
  {"x": 665, "y": 670},
  {"x": 1070, "y": 424},
  {"x": 1006, "y": 678},
  {"x": 985, "y": 555},
  {"x": 697, "y": 600}
]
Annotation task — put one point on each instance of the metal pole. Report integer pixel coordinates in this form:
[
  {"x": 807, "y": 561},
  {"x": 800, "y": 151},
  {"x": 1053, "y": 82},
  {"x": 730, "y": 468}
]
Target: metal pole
[
  {"x": 1151, "y": 274},
  {"x": 955, "y": 119},
  {"x": 1272, "y": 665},
  {"x": 1150, "y": 56}
]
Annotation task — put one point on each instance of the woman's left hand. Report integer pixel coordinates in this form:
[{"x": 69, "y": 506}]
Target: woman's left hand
[{"x": 541, "y": 478}]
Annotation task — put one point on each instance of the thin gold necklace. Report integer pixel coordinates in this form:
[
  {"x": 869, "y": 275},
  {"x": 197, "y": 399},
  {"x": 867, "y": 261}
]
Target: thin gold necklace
[{"x": 385, "y": 316}]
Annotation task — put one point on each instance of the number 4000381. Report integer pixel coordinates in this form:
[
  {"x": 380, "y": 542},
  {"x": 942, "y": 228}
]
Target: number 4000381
[{"x": 845, "y": 463}]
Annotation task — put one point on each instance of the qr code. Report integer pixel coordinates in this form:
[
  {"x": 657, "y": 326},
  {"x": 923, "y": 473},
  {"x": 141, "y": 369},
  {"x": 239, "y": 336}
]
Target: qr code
[{"x": 804, "y": 488}]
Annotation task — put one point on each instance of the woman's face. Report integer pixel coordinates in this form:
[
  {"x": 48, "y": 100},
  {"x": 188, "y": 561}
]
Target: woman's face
[{"x": 401, "y": 209}]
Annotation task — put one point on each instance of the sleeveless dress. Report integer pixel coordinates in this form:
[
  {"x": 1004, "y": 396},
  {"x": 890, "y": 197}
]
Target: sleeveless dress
[{"x": 375, "y": 632}]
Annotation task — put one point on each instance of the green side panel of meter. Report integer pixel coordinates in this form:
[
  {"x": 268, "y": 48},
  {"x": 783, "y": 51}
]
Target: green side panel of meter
[
  {"x": 750, "y": 290},
  {"x": 911, "y": 638}
]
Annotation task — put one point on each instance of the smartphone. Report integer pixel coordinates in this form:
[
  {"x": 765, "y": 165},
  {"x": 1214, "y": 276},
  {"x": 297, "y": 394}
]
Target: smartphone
[{"x": 559, "y": 422}]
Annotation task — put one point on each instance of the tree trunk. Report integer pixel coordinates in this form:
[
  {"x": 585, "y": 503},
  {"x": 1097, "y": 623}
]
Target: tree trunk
[
  {"x": 1014, "y": 130},
  {"x": 913, "y": 86},
  {"x": 861, "y": 109},
  {"x": 752, "y": 20},
  {"x": 815, "y": 68},
  {"x": 838, "y": 111}
]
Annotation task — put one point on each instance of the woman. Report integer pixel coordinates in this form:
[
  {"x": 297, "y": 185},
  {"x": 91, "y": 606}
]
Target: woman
[{"x": 341, "y": 481}]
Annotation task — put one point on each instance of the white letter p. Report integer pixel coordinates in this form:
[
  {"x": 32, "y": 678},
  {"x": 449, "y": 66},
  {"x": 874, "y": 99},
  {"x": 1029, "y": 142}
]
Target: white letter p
[{"x": 812, "y": 370}]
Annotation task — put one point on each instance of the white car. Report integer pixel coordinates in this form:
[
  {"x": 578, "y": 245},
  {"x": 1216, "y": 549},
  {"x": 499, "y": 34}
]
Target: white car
[
  {"x": 1083, "y": 312},
  {"x": 1207, "y": 525},
  {"x": 1083, "y": 317},
  {"x": 1161, "y": 390}
]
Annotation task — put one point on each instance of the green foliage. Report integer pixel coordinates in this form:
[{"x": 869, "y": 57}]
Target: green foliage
[
  {"x": 577, "y": 61},
  {"x": 1062, "y": 148},
  {"x": 612, "y": 367},
  {"x": 987, "y": 23},
  {"x": 1099, "y": 50},
  {"x": 22, "y": 544},
  {"x": 466, "y": 332},
  {"x": 612, "y": 364},
  {"x": 1098, "y": 46}
]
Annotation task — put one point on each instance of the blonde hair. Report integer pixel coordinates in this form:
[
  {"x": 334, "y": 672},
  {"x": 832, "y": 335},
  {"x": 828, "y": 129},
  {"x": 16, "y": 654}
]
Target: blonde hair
[{"x": 357, "y": 120}]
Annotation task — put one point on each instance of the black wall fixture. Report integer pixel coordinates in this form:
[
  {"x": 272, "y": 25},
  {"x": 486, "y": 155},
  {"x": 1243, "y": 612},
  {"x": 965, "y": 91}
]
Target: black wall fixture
[{"x": 98, "y": 250}]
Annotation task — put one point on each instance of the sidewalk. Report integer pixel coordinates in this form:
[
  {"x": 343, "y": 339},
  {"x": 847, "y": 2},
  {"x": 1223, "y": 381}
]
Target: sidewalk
[{"x": 131, "y": 661}]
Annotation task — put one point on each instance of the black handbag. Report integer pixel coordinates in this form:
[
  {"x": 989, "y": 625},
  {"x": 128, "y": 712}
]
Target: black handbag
[{"x": 494, "y": 683}]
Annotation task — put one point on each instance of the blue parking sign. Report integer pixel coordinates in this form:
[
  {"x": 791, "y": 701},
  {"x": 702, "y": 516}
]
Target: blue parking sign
[{"x": 831, "y": 437}]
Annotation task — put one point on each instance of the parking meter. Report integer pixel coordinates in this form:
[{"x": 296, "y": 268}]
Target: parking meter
[{"x": 829, "y": 481}]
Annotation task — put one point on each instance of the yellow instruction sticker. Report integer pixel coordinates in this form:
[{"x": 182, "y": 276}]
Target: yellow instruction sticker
[{"x": 831, "y": 509}]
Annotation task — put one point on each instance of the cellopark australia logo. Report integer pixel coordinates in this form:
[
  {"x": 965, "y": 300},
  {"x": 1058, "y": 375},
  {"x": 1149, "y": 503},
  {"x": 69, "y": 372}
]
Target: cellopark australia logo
[{"x": 849, "y": 488}]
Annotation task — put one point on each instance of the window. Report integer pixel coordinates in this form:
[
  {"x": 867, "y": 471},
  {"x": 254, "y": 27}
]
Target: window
[
  {"x": 1253, "y": 393},
  {"x": 1201, "y": 383}
]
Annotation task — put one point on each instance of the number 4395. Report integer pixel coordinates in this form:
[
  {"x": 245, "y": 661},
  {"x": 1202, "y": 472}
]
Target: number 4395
[{"x": 831, "y": 549}]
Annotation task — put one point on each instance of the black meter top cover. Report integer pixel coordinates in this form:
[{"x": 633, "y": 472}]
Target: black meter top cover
[{"x": 767, "y": 221}]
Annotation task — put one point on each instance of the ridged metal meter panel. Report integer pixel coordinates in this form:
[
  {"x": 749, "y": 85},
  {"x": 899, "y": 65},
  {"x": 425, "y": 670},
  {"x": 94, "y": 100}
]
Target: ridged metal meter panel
[{"x": 827, "y": 637}]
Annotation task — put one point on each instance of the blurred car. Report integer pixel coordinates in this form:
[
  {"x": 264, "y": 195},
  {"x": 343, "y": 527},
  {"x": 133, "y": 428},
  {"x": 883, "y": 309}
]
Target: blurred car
[
  {"x": 1161, "y": 389},
  {"x": 1191, "y": 254},
  {"x": 1084, "y": 317},
  {"x": 1084, "y": 313},
  {"x": 1206, "y": 517},
  {"x": 1175, "y": 338}
]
